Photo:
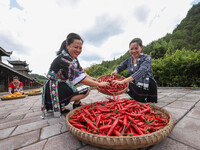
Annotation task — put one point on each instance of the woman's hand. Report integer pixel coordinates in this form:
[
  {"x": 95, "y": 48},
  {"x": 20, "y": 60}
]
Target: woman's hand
[
  {"x": 117, "y": 82},
  {"x": 114, "y": 73},
  {"x": 103, "y": 84}
]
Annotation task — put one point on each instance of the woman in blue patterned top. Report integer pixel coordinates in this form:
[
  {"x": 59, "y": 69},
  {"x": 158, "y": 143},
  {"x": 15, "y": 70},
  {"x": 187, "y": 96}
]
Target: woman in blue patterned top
[
  {"x": 66, "y": 79},
  {"x": 142, "y": 85}
]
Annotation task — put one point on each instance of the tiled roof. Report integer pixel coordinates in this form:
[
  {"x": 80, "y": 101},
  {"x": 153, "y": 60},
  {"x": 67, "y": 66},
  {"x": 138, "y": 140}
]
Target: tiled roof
[
  {"x": 15, "y": 71},
  {"x": 4, "y": 53}
]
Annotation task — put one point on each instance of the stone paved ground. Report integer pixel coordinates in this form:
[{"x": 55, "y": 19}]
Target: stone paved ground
[{"x": 21, "y": 126}]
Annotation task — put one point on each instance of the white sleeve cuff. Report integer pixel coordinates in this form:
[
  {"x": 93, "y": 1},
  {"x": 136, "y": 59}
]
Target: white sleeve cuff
[{"x": 78, "y": 79}]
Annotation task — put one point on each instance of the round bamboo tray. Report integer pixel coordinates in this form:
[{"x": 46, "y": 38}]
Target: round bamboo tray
[
  {"x": 130, "y": 142},
  {"x": 116, "y": 93},
  {"x": 12, "y": 98}
]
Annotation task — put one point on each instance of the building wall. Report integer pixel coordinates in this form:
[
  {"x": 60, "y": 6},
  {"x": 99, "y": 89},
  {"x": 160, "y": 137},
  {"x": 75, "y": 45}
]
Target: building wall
[{"x": 4, "y": 81}]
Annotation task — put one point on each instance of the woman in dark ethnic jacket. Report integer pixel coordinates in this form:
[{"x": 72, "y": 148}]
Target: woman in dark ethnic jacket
[{"x": 67, "y": 81}]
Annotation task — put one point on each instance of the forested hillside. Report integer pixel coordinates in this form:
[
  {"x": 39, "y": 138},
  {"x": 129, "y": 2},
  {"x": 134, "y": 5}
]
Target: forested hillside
[
  {"x": 175, "y": 57},
  {"x": 40, "y": 78},
  {"x": 185, "y": 35}
]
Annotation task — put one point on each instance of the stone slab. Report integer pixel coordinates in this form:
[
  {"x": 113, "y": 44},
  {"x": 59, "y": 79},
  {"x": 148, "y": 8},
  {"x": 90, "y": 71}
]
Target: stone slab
[
  {"x": 50, "y": 131},
  {"x": 177, "y": 113},
  {"x": 4, "y": 115},
  {"x": 167, "y": 100},
  {"x": 190, "y": 98},
  {"x": 63, "y": 128},
  {"x": 177, "y": 94},
  {"x": 195, "y": 91},
  {"x": 31, "y": 114},
  {"x": 64, "y": 141},
  {"x": 19, "y": 122},
  {"x": 36, "y": 146},
  {"x": 20, "y": 140},
  {"x": 160, "y": 104},
  {"x": 169, "y": 144},
  {"x": 187, "y": 131},
  {"x": 182, "y": 104},
  {"x": 194, "y": 113},
  {"x": 12, "y": 118},
  {"x": 19, "y": 113},
  {"x": 52, "y": 121},
  {"x": 6, "y": 132},
  {"x": 197, "y": 105},
  {"x": 29, "y": 127}
]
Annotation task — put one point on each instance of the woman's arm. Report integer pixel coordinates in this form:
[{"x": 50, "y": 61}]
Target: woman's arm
[
  {"x": 10, "y": 90},
  {"x": 114, "y": 72},
  {"x": 121, "y": 67},
  {"x": 94, "y": 79},
  {"x": 126, "y": 80},
  {"x": 89, "y": 82},
  {"x": 20, "y": 86}
]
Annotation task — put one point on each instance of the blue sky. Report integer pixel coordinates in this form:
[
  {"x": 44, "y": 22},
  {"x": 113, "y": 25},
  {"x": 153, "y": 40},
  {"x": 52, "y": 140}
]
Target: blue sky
[
  {"x": 35, "y": 29},
  {"x": 14, "y": 4}
]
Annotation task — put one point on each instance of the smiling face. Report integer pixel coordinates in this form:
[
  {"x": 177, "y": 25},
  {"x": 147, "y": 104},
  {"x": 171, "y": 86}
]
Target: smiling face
[
  {"x": 75, "y": 48},
  {"x": 135, "y": 50}
]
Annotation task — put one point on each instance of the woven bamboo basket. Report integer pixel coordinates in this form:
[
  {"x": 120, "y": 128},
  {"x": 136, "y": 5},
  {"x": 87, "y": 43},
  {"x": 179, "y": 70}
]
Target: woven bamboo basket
[
  {"x": 116, "y": 93},
  {"x": 130, "y": 142}
]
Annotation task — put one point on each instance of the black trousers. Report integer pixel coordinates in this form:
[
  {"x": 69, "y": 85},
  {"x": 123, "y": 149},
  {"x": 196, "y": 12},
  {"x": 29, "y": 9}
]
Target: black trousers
[{"x": 141, "y": 95}]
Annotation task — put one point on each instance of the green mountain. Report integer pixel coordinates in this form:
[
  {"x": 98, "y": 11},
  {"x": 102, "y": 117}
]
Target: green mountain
[
  {"x": 185, "y": 35},
  {"x": 184, "y": 40},
  {"x": 40, "y": 78}
]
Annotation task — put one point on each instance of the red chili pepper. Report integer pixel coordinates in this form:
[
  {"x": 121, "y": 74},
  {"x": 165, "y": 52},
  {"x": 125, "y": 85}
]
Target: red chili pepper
[
  {"x": 92, "y": 118},
  {"x": 72, "y": 122},
  {"x": 133, "y": 132},
  {"x": 102, "y": 110},
  {"x": 98, "y": 120},
  {"x": 104, "y": 127},
  {"x": 137, "y": 129},
  {"x": 90, "y": 123},
  {"x": 144, "y": 111},
  {"x": 125, "y": 121},
  {"x": 78, "y": 125},
  {"x": 112, "y": 127},
  {"x": 133, "y": 114},
  {"x": 117, "y": 133},
  {"x": 82, "y": 129}
]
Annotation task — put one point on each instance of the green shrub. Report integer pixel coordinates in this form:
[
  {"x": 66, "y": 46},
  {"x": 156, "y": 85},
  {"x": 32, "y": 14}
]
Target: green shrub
[{"x": 181, "y": 68}]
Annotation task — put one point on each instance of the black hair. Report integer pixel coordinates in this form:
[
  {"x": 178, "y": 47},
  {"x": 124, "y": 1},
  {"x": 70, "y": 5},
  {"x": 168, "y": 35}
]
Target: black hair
[
  {"x": 70, "y": 39},
  {"x": 137, "y": 40}
]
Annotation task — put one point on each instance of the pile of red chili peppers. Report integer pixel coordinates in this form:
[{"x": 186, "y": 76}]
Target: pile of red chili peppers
[
  {"x": 112, "y": 88},
  {"x": 118, "y": 117}
]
